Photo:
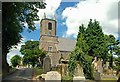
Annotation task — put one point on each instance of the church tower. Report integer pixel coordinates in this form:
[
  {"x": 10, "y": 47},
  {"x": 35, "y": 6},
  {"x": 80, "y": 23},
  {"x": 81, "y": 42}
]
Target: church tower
[
  {"x": 47, "y": 26},
  {"x": 48, "y": 38}
]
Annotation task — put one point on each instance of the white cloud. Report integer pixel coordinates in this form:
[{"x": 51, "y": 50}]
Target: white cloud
[
  {"x": 31, "y": 40},
  {"x": 104, "y": 11},
  {"x": 63, "y": 23},
  {"x": 50, "y": 9},
  {"x": 15, "y": 51}
]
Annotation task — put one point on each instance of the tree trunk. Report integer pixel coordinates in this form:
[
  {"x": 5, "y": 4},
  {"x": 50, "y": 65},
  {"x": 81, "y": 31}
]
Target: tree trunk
[{"x": 5, "y": 65}]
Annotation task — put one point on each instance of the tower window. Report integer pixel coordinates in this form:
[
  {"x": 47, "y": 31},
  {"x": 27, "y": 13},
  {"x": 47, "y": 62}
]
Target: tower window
[
  {"x": 49, "y": 48},
  {"x": 49, "y": 26}
]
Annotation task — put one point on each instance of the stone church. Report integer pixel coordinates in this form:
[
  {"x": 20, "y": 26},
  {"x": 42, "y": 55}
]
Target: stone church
[{"x": 56, "y": 47}]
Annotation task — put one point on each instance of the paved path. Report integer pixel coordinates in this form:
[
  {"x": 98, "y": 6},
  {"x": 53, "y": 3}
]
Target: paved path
[{"x": 22, "y": 75}]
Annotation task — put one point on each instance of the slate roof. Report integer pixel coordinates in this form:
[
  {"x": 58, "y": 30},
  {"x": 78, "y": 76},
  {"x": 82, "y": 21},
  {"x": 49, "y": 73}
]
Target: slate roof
[{"x": 65, "y": 44}]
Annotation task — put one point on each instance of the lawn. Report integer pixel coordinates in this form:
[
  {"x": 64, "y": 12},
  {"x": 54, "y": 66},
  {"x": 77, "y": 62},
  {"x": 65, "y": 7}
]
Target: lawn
[
  {"x": 108, "y": 78},
  {"x": 38, "y": 71}
]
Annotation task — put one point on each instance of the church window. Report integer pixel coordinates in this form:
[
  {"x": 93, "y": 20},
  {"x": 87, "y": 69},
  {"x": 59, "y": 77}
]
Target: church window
[
  {"x": 49, "y": 48},
  {"x": 49, "y": 26}
]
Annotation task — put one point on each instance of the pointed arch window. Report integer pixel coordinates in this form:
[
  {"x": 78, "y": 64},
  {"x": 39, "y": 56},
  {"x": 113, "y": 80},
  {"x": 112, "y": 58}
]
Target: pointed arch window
[{"x": 49, "y": 26}]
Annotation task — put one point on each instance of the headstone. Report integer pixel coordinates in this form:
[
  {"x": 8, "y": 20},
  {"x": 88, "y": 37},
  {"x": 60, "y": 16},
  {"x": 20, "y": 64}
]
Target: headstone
[
  {"x": 95, "y": 63},
  {"x": 46, "y": 64},
  {"x": 79, "y": 75},
  {"x": 78, "y": 79},
  {"x": 114, "y": 63},
  {"x": 79, "y": 71},
  {"x": 53, "y": 76},
  {"x": 100, "y": 66},
  {"x": 97, "y": 76},
  {"x": 107, "y": 65}
]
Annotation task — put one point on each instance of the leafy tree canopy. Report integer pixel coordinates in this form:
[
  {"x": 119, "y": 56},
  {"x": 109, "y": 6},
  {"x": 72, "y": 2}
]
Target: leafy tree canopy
[
  {"x": 80, "y": 56},
  {"x": 32, "y": 53},
  {"x": 94, "y": 38},
  {"x": 91, "y": 42},
  {"x": 16, "y": 60},
  {"x": 15, "y": 15}
]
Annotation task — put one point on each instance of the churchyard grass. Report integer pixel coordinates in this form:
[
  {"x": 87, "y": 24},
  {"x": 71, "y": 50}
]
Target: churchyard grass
[
  {"x": 12, "y": 69},
  {"x": 66, "y": 78},
  {"x": 38, "y": 71},
  {"x": 113, "y": 78}
]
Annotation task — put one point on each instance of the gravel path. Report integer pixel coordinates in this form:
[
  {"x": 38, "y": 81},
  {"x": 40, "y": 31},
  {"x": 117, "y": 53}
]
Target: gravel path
[{"x": 22, "y": 75}]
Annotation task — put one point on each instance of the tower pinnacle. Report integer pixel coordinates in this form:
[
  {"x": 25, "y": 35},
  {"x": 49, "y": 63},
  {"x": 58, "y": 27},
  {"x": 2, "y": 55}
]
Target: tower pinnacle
[
  {"x": 54, "y": 16},
  {"x": 44, "y": 16}
]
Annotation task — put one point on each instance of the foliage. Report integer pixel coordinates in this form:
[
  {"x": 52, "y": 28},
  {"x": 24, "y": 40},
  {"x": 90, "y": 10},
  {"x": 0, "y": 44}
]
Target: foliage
[
  {"x": 91, "y": 42},
  {"x": 38, "y": 71},
  {"x": 16, "y": 60},
  {"x": 72, "y": 63},
  {"x": 117, "y": 49},
  {"x": 113, "y": 48},
  {"x": 32, "y": 53},
  {"x": 67, "y": 78},
  {"x": 99, "y": 43},
  {"x": 82, "y": 45},
  {"x": 117, "y": 62},
  {"x": 79, "y": 55},
  {"x": 81, "y": 31},
  {"x": 15, "y": 15},
  {"x": 94, "y": 38}
]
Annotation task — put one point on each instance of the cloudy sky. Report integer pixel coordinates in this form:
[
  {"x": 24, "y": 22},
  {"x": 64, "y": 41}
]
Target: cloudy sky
[{"x": 70, "y": 15}]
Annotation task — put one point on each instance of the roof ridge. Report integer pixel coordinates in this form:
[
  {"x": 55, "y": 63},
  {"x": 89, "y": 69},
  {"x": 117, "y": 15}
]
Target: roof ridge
[{"x": 66, "y": 38}]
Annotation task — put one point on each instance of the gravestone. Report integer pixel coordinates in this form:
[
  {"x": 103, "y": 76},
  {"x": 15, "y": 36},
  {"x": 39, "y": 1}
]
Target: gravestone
[
  {"x": 79, "y": 71},
  {"x": 100, "y": 66},
  {"x": 95, "y": 63},
  {"x": 97, "y": 76},
  {"x": 79, "y": 75},
  {"x": 107, "y": 65},
  {"x": 46, "y": 64},
  {"x": 53, "y": 76}
]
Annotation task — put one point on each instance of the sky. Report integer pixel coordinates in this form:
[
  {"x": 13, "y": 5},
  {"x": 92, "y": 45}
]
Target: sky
[{"x": 70, "y": 14}]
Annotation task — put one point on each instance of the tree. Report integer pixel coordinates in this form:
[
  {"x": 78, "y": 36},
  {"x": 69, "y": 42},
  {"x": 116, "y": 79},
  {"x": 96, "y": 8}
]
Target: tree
[
  {"x": 80, "y": 55},
  {"x": 94, "y": 38},
  {"x": 111, "y": 43},
  {"x": 16, "y": 60},
  {"x": 81, "y": 31},
  {"x": 113, "y": 47},
  {"x": 117, "y": 50},
  {"x": 32, "y": 53},
  {"x": 91, "y": 42},
  {"x": 81, "y": 42},
  {"x": 15, "y": 15}
]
